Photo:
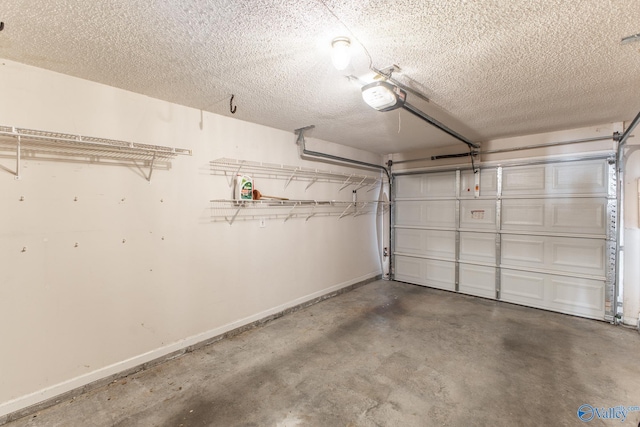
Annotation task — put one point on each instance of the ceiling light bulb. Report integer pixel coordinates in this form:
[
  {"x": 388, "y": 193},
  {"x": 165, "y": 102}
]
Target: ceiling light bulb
[
  {"x": 341, "y": 53},
  {"x": 383, "y": 96}
]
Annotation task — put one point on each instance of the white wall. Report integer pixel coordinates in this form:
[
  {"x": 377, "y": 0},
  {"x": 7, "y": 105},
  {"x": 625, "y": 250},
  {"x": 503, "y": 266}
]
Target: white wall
[
  {"x": 631, "y": 272},
  {"x": 71, "y": 315}
]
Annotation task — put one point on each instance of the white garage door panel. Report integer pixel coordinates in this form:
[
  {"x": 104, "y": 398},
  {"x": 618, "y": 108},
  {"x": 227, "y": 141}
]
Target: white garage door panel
[
  {"x": 478, "y": 280},
  {"x": 523, "y": 251},
  {"x": 579, "y": 216},
  {"x": 428, "y": 243},
  {"x": 583, "y": 177},
  {"x": 586, "y": 177},
  {"x": 562, "y": 254},
  {"x": 581, "y": 297},
  {"x": 488, "y": 183},
  {"x": 478, "y": 247},
  {"x": 523, "y": 180},
  {"x": 478, "y": 214},
  {"x": 428, "y": 272},
  {"x": 522, "y": 214},
  {"x": 522, "y": 287},
  {"x": 578, "y": 296},
  {"x": 425, "y": 186},
  {"x": 578, "y": 255},
  {"x": 409, "y": 186},
  {"x": 434, "y": 213}
]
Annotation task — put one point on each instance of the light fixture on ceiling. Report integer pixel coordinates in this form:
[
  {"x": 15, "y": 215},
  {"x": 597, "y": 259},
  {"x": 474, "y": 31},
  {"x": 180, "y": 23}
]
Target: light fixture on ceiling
[
  {"x": 341, "y": 52},
  {"x": 383, "y": 96}
]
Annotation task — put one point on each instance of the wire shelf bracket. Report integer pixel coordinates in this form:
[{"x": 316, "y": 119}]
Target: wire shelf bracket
[{"x": 313, "y": 181}]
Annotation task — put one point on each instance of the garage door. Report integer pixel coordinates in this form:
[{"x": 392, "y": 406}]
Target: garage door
[{"x": 541, "y": 235}]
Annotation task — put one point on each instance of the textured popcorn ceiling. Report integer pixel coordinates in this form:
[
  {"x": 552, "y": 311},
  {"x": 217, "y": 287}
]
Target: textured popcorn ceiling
[{"x": 492, "y": 68}]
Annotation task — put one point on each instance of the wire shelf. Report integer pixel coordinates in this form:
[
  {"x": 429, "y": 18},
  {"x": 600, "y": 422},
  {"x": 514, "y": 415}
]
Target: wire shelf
[
  {"x": 244, "y": 210},
  {"x": 231, "y": 167},
  {"x": 23, "y": 141}
]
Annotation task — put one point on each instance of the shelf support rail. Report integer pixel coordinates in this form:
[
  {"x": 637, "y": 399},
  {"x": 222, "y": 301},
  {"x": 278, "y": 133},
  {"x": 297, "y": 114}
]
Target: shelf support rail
[
  {"x": 313, "y": 211},
  {"x": 313, "y": 180},
  {"x": 373, "y": 185},
  {"x": 18, "y": 150},
  {"x": 290, "y": 178},
  {"x": 153, "y": 159},
  {"x": 344, "y": 213},
  {"x": 233, "y": 218},
  {"x": 291, "y": 212},
  {"x": 361, "y": 184},
  {"x": 235, "y": 174},
  {"x": 346, "y": 183},
  {"x": 362, "y": 210}
]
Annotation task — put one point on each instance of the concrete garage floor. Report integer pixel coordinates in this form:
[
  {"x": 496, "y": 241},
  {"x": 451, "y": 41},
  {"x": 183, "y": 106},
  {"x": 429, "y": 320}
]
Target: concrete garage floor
[{"x": 385, "y": 354}]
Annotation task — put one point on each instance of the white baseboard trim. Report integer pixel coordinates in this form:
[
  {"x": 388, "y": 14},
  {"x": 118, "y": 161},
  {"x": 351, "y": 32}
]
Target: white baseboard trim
[
  {"x": 30, "y": 403},
  {"x": 631, "y": 321}
]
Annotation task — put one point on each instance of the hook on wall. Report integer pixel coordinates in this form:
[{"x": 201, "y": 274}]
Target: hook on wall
[
  {"x": 232, "y": 108},
  {"x": 1, "y": 25}
]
